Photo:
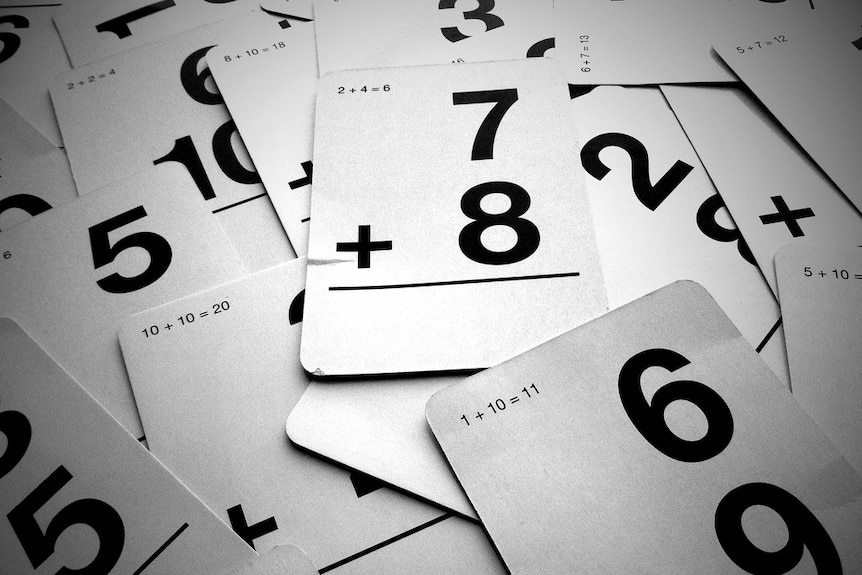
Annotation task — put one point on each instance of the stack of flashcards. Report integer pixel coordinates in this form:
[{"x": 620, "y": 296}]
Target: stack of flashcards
[{"x": 440, "y": 286}]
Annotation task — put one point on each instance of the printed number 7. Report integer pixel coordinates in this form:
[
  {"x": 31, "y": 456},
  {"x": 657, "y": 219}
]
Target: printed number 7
[
  {"x": 104, "y": 253},
  {"x": 483, "y": 145}
]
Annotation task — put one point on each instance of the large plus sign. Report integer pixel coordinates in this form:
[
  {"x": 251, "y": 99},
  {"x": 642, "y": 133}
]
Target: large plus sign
[
  {"x": 787, "y": 216},
  {"x": 364, "y": 246}
]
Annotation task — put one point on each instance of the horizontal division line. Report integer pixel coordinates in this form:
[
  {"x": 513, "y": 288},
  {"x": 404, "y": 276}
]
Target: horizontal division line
[
  {"x": 455, "y": 282},
  {"x": 239, "y": 203}
]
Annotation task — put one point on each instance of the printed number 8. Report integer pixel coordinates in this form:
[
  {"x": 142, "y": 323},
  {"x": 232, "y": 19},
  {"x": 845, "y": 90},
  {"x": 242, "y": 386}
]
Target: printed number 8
[
  {"x": 803, "y": 527},
  {"x": 470, "y": 238}
]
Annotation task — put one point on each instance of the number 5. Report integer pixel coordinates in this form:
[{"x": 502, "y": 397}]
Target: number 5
[
  {"x": 39, "y": 546},
  {"x": 104, "y": 253}
]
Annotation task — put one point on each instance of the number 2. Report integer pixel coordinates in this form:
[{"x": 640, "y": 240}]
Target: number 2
[
  {"x": 104, "y": 253},
  {"x": 11, "y": 41},
  {"x": 483, "y": 13},
  {"x": 483, "y": 144}
]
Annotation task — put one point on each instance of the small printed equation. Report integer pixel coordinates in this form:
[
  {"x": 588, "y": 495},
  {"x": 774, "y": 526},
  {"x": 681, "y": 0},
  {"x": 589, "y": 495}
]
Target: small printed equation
[
  {"x": 363, "y": 89},
  {"x": 255, "y": 52},
  {"x": 90, "y": 80},
  {"x": 586, "y": 56},
  {"x": 762, "y": 44},
  {"x": 500, "y": 404},
  {"x": 186, "y": 319},
  {"x": 835, "y": 274}
]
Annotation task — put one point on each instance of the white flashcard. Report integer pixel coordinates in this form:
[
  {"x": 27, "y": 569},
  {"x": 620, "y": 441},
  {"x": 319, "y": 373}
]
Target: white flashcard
[
  {"x": 72, "y": 274},
  {"x": 660, "y": 41},
  {"x": 820, "y": 289},
  {"x": 810, "y": 79},
  {"x": 658, "y": 218},
  {"x": 30, "y": 57},
  {"x": 302, "y": 9},
  {"x": 387, "y": 33},
  {"x": 651, "y": 440},
  {"x": 215, "y": 376},
  {"x": 34, "y": 175},
  {"x": 103, "y": 28},
  {"x": 774, "y": 192},
  {"x": 447, "y": 209},
  {"x": 281, "y": 560},
  {"x": 269, "y": 81},
  {"x": 159, "y": 105},
  {"x": 378, "y": 427},
  {"x": 106, "y": 504}
]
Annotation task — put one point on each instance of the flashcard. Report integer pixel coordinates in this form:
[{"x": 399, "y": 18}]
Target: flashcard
[
  {"x": 68, "y": 463},
  {"x": 215, "y": 376},
  {"x": 378, "y": 427},
  {"x": 159, "y": 105},
  {"x": 774, "y": 192},
  {"x": 447, "y": 208},
  {"x": 281, "y": 560},
  {"x": 386, "y": 33},
  {"x": 301, "y": 9},
  {"x": 658, "y": 218},
  {"x": 821, "y": 297},
  {"x": 72, "y": 274},
  {"x": 660, "y": 41},
  {"x": 269, "y": 81},
  {"x": 30, "y": 57},
  {"x": 34, "y": 175},
  {"x": 103, "y": 28},
  {"x": 810, "y": 79},
  {"x": 651, "y": 440}
]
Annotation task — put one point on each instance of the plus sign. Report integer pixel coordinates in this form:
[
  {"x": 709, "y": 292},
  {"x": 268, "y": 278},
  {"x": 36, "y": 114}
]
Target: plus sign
[
  {"x": 787, "y": 216},
  {"x": 822, "y": 274},
  {"x": 169, "y": 326},
  {"x": 480, "y": 415},
  {"x": 364, "y": 246},
  {"x": 352, "y": 90}
]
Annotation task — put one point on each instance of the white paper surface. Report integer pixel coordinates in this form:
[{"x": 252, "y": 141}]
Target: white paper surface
[
  {"x": 431, "y": 176},
  {"x": 774, "y": 192},
  {"x": 386, "y": 33},
  {"x": 31, "y": 56},
  {"x": 214, "y": 391},
  {"x": 654, "y": 440},
  {"x": 821, "y": 291},
  {"x": 68, "y": 464},
  {"x": 158, "y": 104},
  {"x": 269, "y": 81},
  {"x": 34, "y": 175},
  {"x": 52, "y": 285}
]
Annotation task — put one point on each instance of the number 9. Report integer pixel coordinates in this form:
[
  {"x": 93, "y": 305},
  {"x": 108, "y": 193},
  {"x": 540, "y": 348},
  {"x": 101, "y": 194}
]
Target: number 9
[
  {"x": 803, "y": 527},
  {"x": 649, "y": 418}
]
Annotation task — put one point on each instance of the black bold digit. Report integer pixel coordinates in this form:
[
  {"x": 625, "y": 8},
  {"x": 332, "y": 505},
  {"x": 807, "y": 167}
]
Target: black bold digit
[
  {"x": 185, "y": 153},
  {"x": 470, "y": 238},
  {"x": 226, "y": 157},
  {"x": 39, "y": 545},
  {"x": 540, "y": 48},
  {"x": 104, "y": 253},
  {"x": 11, "y": 41},
  {"x": 482, "y": 13},
  {"x": 803, "y": 528},
  {"x": 649, "y": 418},
  {"x": 15, "y": 426},
  {"x": 194, "y": 82},
  {"x": 297, "y": 307},
  {"x": 120, "y": 24},
  {"x": 483, "y": 144},
  {"x": 706, "y": 223},
  {"x": 856, "y": 44},
  {"x": 30, "y": 204},
  {"x": 651, "y": 196}
]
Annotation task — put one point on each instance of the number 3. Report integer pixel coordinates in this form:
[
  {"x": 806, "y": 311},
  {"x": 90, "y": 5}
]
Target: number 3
[
  {"x": 483, "y": 13},
  {"x": 104, "y": 253}
]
